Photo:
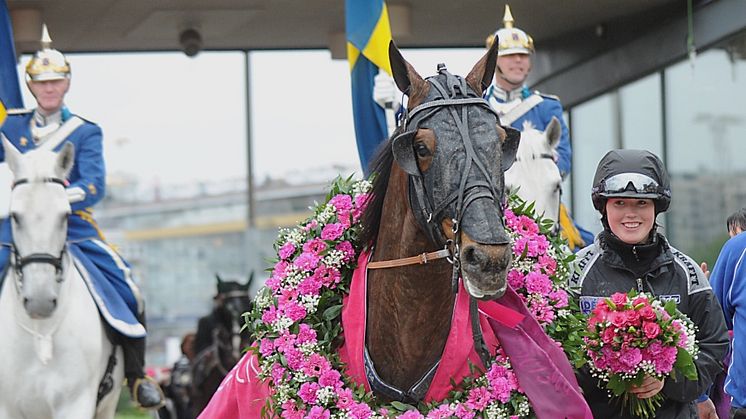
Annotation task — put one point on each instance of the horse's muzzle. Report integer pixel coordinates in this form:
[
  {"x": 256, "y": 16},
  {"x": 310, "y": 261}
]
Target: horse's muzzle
[{"x": 484, "y": 269}]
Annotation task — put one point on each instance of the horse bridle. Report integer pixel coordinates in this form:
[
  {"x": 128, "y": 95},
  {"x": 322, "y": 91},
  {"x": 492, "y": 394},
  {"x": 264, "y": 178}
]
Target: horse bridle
[
  {"x": 425, "y": 211},
  {"x": 19, "y": 262}
]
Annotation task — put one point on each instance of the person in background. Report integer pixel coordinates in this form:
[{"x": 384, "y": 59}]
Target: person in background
[
  {"x": 727, "y": 281},
  {"x": 51, "y": 125},
  {"x": 630, "y": 188}
]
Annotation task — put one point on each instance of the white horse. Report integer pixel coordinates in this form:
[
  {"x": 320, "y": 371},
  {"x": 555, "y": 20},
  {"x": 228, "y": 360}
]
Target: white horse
[
  {"x": 535, "y": 175},
  {"x": 54, "y": 350}
]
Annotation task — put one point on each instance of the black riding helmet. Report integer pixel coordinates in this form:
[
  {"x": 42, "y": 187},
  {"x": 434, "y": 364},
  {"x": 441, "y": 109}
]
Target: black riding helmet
[{"x": 631, "y": 174}]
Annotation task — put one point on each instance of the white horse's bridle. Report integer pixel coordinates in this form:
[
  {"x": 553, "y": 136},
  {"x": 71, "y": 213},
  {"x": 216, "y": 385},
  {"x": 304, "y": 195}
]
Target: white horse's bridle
[{"x": 19, "y": 261}]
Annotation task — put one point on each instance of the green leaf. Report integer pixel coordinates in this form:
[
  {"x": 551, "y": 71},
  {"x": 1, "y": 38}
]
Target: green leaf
[
  {"x": 670, "y": 307},
  {"x": 332, "y": 312},
  {"x": 685, "y": 364},
  {"x": 402, "y": 407}
]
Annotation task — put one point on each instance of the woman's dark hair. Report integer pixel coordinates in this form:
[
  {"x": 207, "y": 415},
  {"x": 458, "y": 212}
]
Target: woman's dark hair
[{"x": 737, "y": 220}]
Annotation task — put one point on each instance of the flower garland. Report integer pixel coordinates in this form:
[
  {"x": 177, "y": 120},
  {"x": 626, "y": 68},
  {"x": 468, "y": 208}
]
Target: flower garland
[{"x": 297, "y": 317}]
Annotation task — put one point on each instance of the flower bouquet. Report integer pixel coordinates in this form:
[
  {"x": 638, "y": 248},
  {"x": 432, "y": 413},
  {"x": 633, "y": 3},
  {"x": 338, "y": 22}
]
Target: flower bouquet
[{"x": 633, "y": 335}]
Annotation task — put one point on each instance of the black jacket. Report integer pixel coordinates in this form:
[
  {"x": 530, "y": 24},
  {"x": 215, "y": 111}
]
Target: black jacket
[{"x": 601, "y": 271}]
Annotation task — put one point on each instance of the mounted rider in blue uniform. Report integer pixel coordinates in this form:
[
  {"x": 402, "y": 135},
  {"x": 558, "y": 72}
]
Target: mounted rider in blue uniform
[
  {"x": 107, "y": 275},
  {"x": 516, "y": 103}
]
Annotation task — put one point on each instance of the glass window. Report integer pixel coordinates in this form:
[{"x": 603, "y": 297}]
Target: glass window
[
  {"x": 593, "y": 134},
  {"x": 641, "y": 119},
  {"x": 706, "y": 127}
]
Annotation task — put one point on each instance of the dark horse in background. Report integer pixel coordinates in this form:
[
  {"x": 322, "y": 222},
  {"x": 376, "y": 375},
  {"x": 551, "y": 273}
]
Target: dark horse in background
[{"x": 220, "y": 340}]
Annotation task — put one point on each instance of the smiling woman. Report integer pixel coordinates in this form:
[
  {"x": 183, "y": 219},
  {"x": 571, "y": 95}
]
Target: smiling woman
[{"x": 631, "y": 187}]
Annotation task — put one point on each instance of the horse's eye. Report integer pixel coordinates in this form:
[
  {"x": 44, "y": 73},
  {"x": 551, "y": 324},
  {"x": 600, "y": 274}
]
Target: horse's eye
[{"x": 421, "y": 150}]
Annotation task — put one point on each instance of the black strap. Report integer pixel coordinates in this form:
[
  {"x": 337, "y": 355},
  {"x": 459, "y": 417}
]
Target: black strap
[
  {"x": 107, "y": 381},
  {"x": 476, "y": 333}
]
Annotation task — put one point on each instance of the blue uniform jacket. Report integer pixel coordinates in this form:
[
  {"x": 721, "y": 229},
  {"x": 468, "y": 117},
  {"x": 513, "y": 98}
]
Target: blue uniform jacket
[
  {"x": 88, "y": 172},
  {"x": 105, "y": 272},
  {"x": 540, "y": 116},
  {"x": 728, "y": 281}
]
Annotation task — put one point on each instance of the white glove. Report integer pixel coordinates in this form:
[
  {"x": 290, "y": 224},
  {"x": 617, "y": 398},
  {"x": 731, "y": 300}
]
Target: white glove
[
  {"x": 385, "y": 92},
  {"x": 75, "y": 194}
]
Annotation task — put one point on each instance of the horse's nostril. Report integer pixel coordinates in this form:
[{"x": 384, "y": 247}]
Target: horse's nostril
[
  {"x": 25, "y": 302},
  {"x": 54, "y": 302},
  {"x": 473, "y": 256}
]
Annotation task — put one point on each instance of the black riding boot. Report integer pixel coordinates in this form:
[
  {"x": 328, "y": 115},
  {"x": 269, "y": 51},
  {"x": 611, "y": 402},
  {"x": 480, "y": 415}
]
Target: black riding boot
[{"x": 145, "y": 392}]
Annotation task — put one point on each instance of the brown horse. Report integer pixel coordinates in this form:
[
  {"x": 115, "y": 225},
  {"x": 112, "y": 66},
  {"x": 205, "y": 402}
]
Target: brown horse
[{"x": 439, "y": 185}]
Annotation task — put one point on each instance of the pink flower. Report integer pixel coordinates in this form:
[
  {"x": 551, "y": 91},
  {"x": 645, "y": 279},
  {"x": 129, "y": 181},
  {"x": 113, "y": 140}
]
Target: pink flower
[
  {"x": 619, "y": 298},
  {"x": 330, "y": 378},
  {"x": 344, "y": 398},
  {"x": 411, "y": 414},
  {"x": 294, "y": 311},
  {"x": 346, "y": 248},
  {"x": 630, "y": 357},
  {"x": 278, "y": 372},
  {"x": 462, "y": 412},
  {"x": 560, "y": 298},
  {"x": 332, "y": 231},
  {"x": 548, "y": 264},
  {"x": 647, "y": 313},
  {"x": 538, "y": 283},
  {"x": 443, "y": 411},
  {"x": 314, "y": 246},
  {"x": 307, "y": 392},
  {"x": 318, "y": 412},
  {"x": 307, "y": 261},
  {"x": 280, "y": 271},
  {"x": 478, "y": 398},
  {"x": 309, "y": 286},
  {"x": 311, "y": 225},
  {"x": 286, "y": 250},
  {"x": 526, "y": 226},
  {"x": 341, "y": 202},
  {"x": 306, "y": 334},
  {"x": 266, "y": 347},
  {"x": 515, "y": 279},
  {"x": 359, "y": 411},
  {"x": 651, "y": 329},
  {"x": 270, "y": 315},
  {"x": 314, "y": 365}
]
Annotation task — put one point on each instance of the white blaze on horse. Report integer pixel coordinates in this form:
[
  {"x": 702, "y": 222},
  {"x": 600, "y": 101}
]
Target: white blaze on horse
[
  {"x": 534, "y": 175},
  {"x": 56, "y": 351}
]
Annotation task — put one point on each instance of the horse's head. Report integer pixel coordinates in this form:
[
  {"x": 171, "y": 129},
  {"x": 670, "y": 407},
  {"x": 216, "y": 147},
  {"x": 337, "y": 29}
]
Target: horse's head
[
  {"x": 233, "y": 297},
  {"x": 534, "y": 174},
  {"x": 454, "y": 151},
  {"x": 38, "y": 211}
]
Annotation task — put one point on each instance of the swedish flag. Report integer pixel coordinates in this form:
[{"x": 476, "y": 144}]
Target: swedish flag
[
  {"x": 368, "y": 38},
  {"x": 10, "y": 92}
]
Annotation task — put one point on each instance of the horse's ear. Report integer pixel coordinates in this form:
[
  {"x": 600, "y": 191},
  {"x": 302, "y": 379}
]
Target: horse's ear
[
  {"x": 251, "y": 279},
  {"x": 406, "y": 78},
  {"x": 65, "y": 160},
  {"x": 12, "y": 155},
  {"x": 480, "y": 76},
  {"x": 403, "y": 150},
  {"x": 554, "y": 132},
  {"x": 509, "y": 146}
]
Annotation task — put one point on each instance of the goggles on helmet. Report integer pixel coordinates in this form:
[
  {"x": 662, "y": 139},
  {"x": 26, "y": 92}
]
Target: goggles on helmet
[{"x": 633, "y": 185}]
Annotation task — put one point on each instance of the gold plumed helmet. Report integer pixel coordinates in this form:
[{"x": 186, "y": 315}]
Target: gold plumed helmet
[
  {"x": 512, "y": 40},
  {"x": 47, "y": 63}
]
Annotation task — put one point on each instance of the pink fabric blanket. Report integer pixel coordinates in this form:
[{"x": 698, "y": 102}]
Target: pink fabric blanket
[{"x": 541, "y": 367}]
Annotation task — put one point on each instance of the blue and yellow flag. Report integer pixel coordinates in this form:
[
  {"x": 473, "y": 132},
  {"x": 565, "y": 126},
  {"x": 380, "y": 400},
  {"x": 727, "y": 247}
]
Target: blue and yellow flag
[
  {"x": 368, "y": 37},
  {"x": 10, "y": 91}
]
